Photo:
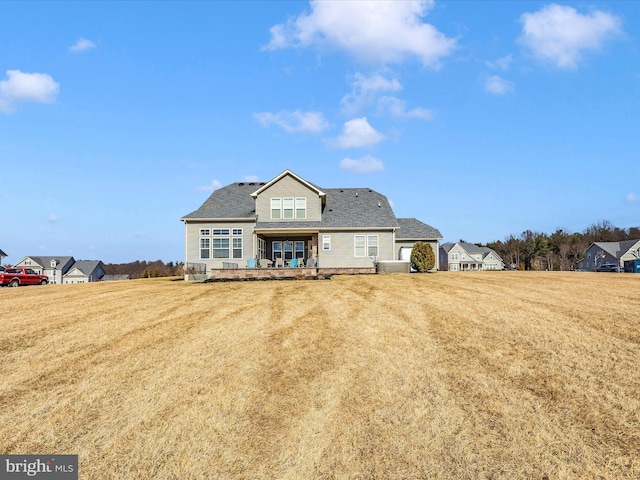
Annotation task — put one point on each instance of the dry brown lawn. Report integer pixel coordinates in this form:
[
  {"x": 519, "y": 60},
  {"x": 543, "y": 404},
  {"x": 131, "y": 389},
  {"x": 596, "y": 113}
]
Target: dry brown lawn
[{"x": 494, "y": 375}]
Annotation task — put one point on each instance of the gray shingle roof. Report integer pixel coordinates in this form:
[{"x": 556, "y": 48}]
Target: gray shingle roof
[
  {"x": 616, "y": 249},
  {"x": 86, "y": 266},
  {"x": 232, "y": 201},
  {"x": 357, "y": 208},
  {"x": 348, "y": 208},
  {"x": 414, "y": 229},
  {"x": 343, "y": 208},
  {"x": 45, "y": 262}
]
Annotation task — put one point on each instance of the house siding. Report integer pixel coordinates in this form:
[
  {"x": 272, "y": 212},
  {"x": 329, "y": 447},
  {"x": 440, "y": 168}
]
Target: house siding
[
  {"x": 342, "y": 253},
  {"x": 288, "y": 186},
  {"x": 192, "y": 239}
]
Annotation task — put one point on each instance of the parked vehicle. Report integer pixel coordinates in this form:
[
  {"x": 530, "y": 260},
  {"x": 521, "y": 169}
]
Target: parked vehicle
[
  {"x": 609, "y": 267},
  {"x": 14, "y": 277}
]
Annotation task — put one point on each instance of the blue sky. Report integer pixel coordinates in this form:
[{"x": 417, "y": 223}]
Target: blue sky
[{"x": 480, "y": 118}]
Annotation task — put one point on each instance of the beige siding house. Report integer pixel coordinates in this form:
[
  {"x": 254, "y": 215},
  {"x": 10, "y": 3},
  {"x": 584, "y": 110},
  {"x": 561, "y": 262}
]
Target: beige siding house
[
  {"x": 290, "y": 220},
  {"x": 462, "y": 256}
]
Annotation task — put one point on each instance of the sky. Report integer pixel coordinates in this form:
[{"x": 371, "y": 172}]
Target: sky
[{"x": 480, "y": 118}]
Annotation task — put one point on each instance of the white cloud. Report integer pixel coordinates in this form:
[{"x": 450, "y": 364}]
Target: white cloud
[
  {"x": 366, "y": 164},
  {"x": 214, "y": 185},
  {"x": 632, "y": 198},
  {"x": 250, "y": 178},
  {"x": 26, "y": 87},
  {"x": 498, "y": 85},
  {"x": 53, "y": 218},
  {"x": 503, "y": 63},
  {"x": 82, "y": 45},
  {"x": 365, "y": 90},
  {"x": 294, "y": 122},
  {"x": 372, "y": 31},
  {"x": 358, "y": 133},
  {"x": 560, "y": 35},
  {"x": 398, "y": 108}
]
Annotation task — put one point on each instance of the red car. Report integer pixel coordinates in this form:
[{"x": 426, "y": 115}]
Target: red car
[{"x": 14, "y": 277}]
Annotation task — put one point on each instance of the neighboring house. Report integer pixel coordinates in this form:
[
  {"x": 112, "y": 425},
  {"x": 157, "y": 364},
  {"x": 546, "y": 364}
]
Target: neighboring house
[
  {"x": 2, "y": 255},
  {"x": 84, "y": 271},
  {"x": 462, "y": 256},
  {"x": 53, "y": 267},
  {"x": 609, "y": 253},
  {"x": 290, "y": 218},
  {"x": 65, "y": 269}
]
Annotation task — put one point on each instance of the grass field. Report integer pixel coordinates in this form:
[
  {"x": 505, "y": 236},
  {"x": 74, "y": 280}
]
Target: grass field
[{"x": 451, "y": 375}]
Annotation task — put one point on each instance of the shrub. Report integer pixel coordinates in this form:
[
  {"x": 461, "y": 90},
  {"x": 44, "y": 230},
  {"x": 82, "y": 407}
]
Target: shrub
[{"x": 422, "y": 257}]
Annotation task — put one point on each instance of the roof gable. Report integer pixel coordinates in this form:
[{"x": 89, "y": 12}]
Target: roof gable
[
  {"x": 84, "y": 267},
  {"x": 280, "y": 177},
  {"x": 45, "y": 262}
]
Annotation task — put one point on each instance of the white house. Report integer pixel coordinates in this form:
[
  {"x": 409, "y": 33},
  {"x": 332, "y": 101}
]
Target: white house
[{"x": 462, "y": 256}]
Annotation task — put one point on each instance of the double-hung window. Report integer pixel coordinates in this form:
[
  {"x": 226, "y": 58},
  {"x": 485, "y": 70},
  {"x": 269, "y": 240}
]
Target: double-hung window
[
  {"x": 277, "y": 249},
  {"x": 204, "y": 248},
  {"x": 276, "y": 208},
  {"x": 372, "y": 245},
  {"x": 326, "y": 242},
  {"x": 360, "y": 245},
  {"x": 288, "y": 250},
  {"x": 365, "y": 245},
  {"x": 237, "y": 247},
  {"x": 221, "y": 247},
  {"x": 287, "y": 207},
  {"x": 301, "y": 207}
]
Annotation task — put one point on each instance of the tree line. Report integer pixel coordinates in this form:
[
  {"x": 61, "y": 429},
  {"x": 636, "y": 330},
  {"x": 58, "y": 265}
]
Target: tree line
[
  {"x": 144, "y": 269},
  {"x": 561, "y": 250}
]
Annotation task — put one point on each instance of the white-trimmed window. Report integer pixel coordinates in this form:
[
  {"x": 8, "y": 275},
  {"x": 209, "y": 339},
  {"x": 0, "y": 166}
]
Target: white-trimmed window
[
  {"x": 298, "y": 248},
  {"x": 220, "y": 231},
  {"x": 237, "y": 231},
  {"x": 276, "y": 208},
  {"x": 205, "y": 243},
  {"x": 237, "y": 247},
  {"x": 372, "y": 245},
  {"x": 365, "y": 245},
  {"x": 359, "y": 245},
  {"x": 221, "y": 247},
  {"x": 287, "y": 207},
  {"x": 454, "y": 256},
  {"x": 262, "y": 248},
  {"x": 301, "y": 207},
  {"x": 277, "y": 249},
  {"x": 288, "y": 250},
  {"x": 205, "y": 232},
  {"x": 326, "y": 242}
]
